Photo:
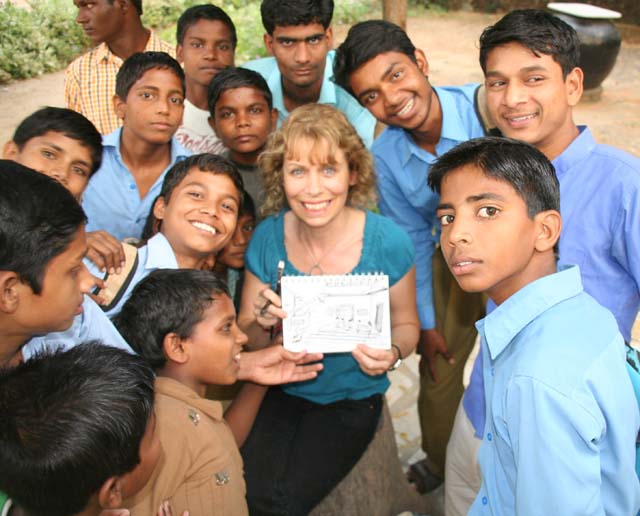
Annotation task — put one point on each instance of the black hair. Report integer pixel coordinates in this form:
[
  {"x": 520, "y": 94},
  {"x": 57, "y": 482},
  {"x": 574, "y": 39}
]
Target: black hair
[
  {"x": 38, "y": 220},
  {"x": 365, "y": 41},
  {"x": 166, "y": 301},
  {"x": 136, "y": 3},
  {"x": 539, "y": 31},
  {"x": 282, "y": 13},
  {"x": 204, "y": 12},
  {"x": 231, "y": 78},
  {"x": 206, "y": 162},
  {"x": 136, "y": 65},
  {"x": 248, "y": 206},
  {"x": 68, "y": 422},
  {"x": 64, "y": 121},
  {"x": 515, "y": 162}
]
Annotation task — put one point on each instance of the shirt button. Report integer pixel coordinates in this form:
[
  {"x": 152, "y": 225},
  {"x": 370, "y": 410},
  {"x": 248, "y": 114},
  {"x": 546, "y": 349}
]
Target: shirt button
[
  {"x": 489, "y": 437},
  {"x": 484, "y": 500},
  {"x": 132, "y": 186}
]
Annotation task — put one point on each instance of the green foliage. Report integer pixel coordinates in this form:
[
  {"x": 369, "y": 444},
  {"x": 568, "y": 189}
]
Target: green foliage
[{"x": 42, "y": 38}]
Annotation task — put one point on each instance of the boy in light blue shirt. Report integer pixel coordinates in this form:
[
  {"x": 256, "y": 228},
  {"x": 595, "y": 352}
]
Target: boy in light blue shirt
[
  {"x": 299, "y": 38},
  {"x": 149, "y": 98},
  {"x": 562, "y": 418}
]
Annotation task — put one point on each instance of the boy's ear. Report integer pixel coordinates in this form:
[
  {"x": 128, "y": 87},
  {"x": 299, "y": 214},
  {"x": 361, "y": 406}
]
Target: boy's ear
[
  {"x": 9, "y": 292},
  {"x": 421, "y": 62},
  {"x": 329, "y": 35},
  {"x": 174, "y": 348},
  {"x": 179, "y": 57},
  {"x": 119, "y": 106},
  {"x": 212, "y": 124},
  {"x": 110, "y": 493},
  {"x": 158, "y": 208},
  {"x": 268, "y": 43},
  {"x": 550, "y": 225},
  {"x": 573, "y": 84},
  {"x": 274, "y": 119},
  {"x": 10, "y": 150}
]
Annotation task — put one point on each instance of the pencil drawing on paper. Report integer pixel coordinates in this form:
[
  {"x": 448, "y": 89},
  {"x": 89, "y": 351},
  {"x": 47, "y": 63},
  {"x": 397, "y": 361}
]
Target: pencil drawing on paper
[{"x": 335, "y": 313}]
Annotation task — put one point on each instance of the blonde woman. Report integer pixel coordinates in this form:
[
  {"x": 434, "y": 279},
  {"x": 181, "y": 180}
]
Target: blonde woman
[{"x": 319, "y": 180}]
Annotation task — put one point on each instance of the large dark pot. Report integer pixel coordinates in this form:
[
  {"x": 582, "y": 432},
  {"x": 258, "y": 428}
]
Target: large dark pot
[{"x": 599, "y": 43}]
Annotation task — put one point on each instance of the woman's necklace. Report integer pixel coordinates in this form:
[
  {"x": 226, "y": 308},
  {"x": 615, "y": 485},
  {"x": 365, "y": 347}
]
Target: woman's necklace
[{"x": 316, "y": 261}]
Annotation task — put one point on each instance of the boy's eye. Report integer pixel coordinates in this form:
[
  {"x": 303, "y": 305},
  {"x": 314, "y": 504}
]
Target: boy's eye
[
  {"x": 488, "y": 212},
  {"x": 248, "y": 228},
  {"x": 80, "y": 171},
  {"x": 196, "y": 44},
  {"x": 146, "y": 95},
  {"x": 225, "y": 47},
  {"x": 177, "y": 100},
  {"x": 446, "y": 219},
  {"x": 397, "y": 74},
  {"x": 225, "y": 113},
  {"x": 370, "y": 97},
  {"x": 287, "y": 42},
  {"x": 229, "y": 206},
  {"x": 255, "y": 110},
  {"x": 314, "y": 40},
  {"x": 195, "y": 195},
  {"x": 496, "y": 84},
  {"x": 47, "y": 154},
  {"x": 535, "y": 79}
]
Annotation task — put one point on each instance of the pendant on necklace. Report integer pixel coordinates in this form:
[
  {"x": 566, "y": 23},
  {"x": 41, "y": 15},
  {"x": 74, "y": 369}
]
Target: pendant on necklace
[{"x": 316, "y": 267}]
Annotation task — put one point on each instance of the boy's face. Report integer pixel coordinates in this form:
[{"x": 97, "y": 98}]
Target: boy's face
[
  {"x": 101, "y": 20},
  {"x": 395, "y": 89},
  {"x": 200, "y": 215},
  {"x": 529, "y": 100},
  {"x": 301, "y": 53},
  {"x": 207, "y": 49},
  {"x": 215, "y": 344},
  {"x": 243, "y": 120},
  {"x": 233, "y": 253},
  {"x": 152, "y": 111},
  {"x": 58, "y": 156},
  {"x": 65, "y": 281},
  {"x": 150, "y": 451},
  {"x": 487, "y": 239}
]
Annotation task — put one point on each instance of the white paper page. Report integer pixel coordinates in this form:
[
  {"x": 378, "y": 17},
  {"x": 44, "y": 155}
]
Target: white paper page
[{"x": 332, "y": 314}]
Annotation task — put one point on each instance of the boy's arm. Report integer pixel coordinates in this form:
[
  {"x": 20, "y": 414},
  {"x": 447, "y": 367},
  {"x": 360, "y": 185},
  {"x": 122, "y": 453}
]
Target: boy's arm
[
  {"x": 105, "y": 251},
  {"x": 556, "y": 448},
  {"x": 242, "y": 412}
]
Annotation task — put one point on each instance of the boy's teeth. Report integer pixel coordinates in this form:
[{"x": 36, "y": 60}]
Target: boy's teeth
[
  {"x": 407, "y": 107},
  {"x": 205, "y": 227},
  {"x": 521, "y": 118}
]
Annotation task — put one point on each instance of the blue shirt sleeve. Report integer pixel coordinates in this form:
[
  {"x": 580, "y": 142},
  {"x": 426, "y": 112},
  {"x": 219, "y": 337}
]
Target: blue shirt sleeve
[
  {"x": 396, "y": 254},
  {"x": 261, "y": 254},
  {"x": 393, "y": 204}
]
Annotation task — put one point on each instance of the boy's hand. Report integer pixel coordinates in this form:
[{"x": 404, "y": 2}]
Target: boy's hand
[
  {"x": 99, "y": 283},
  {"x": 165, "y": 510},
  {"x": 374, "y": 361},
  {"x": 430, "y": 344},
  {"x": 105, "y": 251},
  {"x": 275, "y": 365}
]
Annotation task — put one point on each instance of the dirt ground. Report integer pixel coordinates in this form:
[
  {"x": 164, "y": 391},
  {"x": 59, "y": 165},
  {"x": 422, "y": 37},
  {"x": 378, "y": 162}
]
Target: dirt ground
[{"x": 450, "y": 42}]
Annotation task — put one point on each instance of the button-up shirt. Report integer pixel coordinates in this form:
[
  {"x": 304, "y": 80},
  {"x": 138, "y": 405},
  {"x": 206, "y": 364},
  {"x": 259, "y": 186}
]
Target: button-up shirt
[
  {"x": 90, "y": 83},
  {"x": 330, "y": 93},
  {"x": 402, "y": 168},
  {"x": 562, "y": 416},
  {"x": 600, "y": 207},
  {"x": 112, "y": 201}
]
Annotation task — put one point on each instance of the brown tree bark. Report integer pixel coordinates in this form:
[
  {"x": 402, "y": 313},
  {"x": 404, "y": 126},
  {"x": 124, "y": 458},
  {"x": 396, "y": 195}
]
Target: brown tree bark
[{"x": 395, "y": 11}]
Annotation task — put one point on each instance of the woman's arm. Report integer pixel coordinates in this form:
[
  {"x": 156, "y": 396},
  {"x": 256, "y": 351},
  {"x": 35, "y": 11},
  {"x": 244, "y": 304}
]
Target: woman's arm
[
  {"x": 405, "y": 328},
  {"x": 252, "y": 319}
]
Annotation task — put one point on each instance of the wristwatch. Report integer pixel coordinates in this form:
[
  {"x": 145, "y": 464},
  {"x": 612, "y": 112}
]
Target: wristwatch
[{"x": 397, "y": 363}]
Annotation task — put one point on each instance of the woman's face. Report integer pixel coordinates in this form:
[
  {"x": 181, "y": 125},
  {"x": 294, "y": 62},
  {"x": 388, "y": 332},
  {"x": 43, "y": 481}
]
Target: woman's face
[{"x": 316, "y": 183}]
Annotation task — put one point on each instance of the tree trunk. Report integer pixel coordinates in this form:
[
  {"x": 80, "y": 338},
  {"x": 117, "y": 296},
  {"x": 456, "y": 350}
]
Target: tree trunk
[{"x": 395, "y": 11}]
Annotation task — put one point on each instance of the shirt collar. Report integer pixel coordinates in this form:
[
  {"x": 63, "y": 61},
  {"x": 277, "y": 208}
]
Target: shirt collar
[
  {"x": 113, "y": 140},
  {"x": 103, "y": 52},
  {"x": 502, "y": 325},
  {"x": 160, "y": 255},
  {"x": 575, "y": 152},
  {"x": 452, "y": 126},
  {"x": 175, "y": 389}
]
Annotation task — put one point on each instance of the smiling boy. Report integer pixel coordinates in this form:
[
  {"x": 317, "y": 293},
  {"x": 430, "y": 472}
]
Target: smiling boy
[
  {"x": 206, "y": 45},
  {"x": 299, "y": 38},
  {"x": 533, "y": 82},
  {"x": 90, "y": 80},
  {"x": 149, "y": 99},
  {"x": 381, "y": 67},
  {"x": 562, "y": 418}
]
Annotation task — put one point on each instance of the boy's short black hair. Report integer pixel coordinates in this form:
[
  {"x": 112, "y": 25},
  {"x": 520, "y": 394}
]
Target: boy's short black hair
[
  {"x": 248, "y": 206},
  {"x": 204, "y": 12},
  {"x": 231, "y": 78},
  {"x": 283, "y": 13},
  {"x": 68, "y": 422},
  {"x": 64, "y": 121},
  {"x": 38, "y": 220},
  {"x": 539, "y": 31},
  {"x": 520, "y": 164},
  {"x": 365, "y": 41},
  {"x": 166, "y": 301},
  {"x": 136, "y": 65}
]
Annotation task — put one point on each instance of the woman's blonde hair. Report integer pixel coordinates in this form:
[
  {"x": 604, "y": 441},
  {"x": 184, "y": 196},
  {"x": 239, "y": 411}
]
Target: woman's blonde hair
[{"x": 316, "y": 122}]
